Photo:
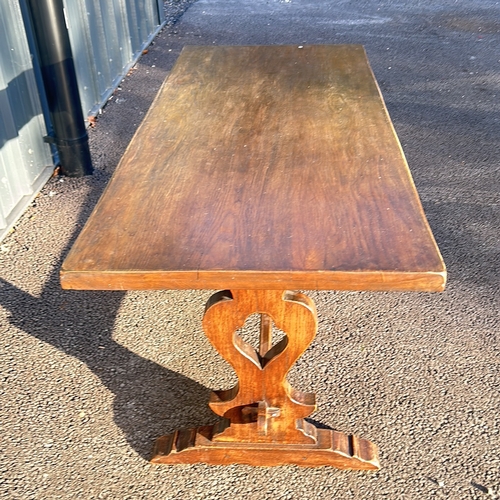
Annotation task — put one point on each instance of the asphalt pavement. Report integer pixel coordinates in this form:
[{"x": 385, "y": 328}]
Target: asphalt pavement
[{"x": 90, "y": 379}]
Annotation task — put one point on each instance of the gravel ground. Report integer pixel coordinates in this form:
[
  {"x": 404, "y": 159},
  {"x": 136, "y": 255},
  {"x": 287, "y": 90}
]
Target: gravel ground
[
  {"x": 174, "y": 10},
  {"x": 89, "y": 379}
]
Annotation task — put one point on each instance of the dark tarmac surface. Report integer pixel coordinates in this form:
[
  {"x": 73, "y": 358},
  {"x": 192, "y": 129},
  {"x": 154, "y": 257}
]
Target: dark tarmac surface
[{"x": 89, "y": 379}]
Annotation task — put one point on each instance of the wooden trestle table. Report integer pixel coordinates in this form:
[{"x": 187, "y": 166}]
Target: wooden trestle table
[{"x": 259, "y": 170}]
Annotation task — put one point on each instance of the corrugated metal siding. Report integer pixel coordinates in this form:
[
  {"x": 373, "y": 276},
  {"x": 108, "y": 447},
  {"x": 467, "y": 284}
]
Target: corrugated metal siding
[
  {"x": 107, "y": 37},
  {"x": 25, "y": 160}
]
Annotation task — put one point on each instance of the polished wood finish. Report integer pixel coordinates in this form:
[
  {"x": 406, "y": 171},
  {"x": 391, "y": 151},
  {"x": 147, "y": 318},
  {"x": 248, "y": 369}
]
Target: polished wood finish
[
  {"x": 262, "y": 407},
  {"x": 266, "y": 334},
  {"x": 261, "y": 168},
  {"x": 332, "y": 448},
  {"x": 263, "y": 415}
]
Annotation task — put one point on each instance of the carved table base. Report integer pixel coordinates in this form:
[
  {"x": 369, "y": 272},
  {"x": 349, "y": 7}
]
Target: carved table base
[{"x": 263, "y": 420}]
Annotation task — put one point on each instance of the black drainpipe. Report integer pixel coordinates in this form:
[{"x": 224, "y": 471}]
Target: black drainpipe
[{"x": 61, "y": 87}]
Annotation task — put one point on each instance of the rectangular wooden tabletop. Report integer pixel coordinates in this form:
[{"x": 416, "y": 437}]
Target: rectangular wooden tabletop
[{"x": 263, "y": 167}]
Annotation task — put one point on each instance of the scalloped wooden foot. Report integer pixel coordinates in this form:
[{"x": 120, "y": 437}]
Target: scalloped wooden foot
[
  {"x": 263, "y": 420},
  {"x": 332, "y": 448}
]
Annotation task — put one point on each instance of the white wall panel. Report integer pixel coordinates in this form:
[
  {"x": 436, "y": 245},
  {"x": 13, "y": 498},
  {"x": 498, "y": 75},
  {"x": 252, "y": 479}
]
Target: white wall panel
[
  {"x": 25, "y": 160},
  {"x": 107, "y": 38}
]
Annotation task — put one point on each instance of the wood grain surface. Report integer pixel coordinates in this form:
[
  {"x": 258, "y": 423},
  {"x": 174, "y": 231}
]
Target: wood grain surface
[
  {"x": 264, "y": 416},
  {"x": 264, "y": 167}
]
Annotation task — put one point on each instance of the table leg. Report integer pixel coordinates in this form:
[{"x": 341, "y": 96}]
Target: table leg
[{"x": 264, "y": 417}]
